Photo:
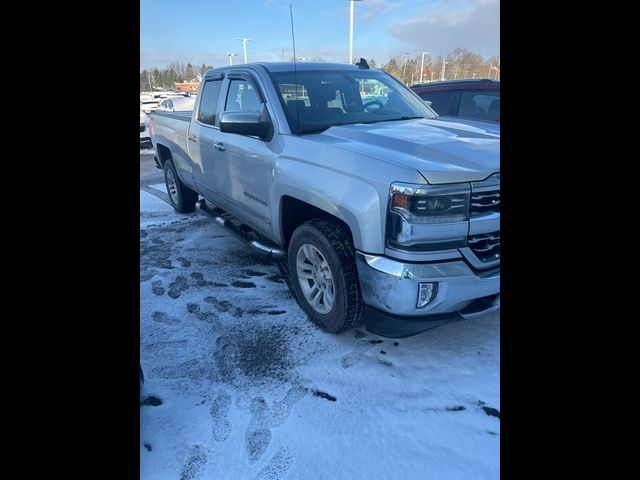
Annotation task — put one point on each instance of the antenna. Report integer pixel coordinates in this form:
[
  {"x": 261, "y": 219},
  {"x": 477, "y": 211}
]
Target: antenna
[
  {"x": 363, "y": 64},
  {"x": 295, "y": 70}
]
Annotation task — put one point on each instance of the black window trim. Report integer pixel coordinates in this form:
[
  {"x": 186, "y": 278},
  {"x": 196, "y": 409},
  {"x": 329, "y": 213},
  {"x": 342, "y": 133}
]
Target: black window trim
[
  {"x": 213, "y": 76},
  {"x": 218, "y": 77}
]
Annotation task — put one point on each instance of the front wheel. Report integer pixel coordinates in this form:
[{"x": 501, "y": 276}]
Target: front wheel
[
  {"x": 324, "y": 277},
  {"x": 182, "y": 198}
]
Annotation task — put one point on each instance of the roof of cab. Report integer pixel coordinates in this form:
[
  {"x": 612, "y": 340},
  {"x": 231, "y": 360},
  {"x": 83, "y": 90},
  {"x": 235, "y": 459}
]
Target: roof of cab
[{"x": 289, "y": 66}]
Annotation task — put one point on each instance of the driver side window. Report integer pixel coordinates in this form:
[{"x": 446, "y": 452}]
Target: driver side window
[{"x": 242, "y": 96}]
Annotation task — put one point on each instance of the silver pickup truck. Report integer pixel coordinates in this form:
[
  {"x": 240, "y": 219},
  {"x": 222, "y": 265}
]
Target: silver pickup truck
[{"x": 382, "y": 212}]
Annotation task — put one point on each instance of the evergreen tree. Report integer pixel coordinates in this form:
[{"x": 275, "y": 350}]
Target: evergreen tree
[{"x": 189, "y": 74}]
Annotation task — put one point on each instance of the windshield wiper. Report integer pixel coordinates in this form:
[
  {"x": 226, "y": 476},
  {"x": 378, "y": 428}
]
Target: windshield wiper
[
  {"x": 315, "y": 130},
  {"x": 404, "y": 117},
  {"x": 322, "y": 129}
]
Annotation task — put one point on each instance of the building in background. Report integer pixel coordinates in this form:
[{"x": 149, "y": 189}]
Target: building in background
[{"x": 187, "y": 86}]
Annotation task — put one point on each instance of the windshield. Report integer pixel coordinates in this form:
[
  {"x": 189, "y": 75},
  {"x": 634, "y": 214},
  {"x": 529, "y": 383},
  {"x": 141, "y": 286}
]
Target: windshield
[{"x": 316, "y": 100}]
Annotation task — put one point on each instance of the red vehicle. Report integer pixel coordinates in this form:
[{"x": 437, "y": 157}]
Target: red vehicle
[{"x": 471, "y": 99}]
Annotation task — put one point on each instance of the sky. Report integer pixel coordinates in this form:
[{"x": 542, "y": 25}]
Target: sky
[{"x": 204, "y": 31}]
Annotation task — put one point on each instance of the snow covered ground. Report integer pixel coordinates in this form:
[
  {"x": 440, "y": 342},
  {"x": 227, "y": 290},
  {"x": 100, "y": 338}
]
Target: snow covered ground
[{"x": 250, "y": 389}]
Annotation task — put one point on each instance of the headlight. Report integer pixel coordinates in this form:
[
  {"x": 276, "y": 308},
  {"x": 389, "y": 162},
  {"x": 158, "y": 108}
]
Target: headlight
[{"x": 431, "y": 203}]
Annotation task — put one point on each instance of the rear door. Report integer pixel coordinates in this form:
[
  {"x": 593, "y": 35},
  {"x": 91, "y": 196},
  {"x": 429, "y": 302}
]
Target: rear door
[{"x": 204, "y": 133}]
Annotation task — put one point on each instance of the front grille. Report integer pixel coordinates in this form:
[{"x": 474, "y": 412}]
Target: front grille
[
  {"x": 143, "y": 127},
  {"x": 484, "y": 203},
  {"x": 486, "y": 246}
]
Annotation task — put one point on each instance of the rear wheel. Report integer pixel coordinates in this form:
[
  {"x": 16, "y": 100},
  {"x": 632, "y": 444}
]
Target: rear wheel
[
  {"x": 324, "y": 278},
  {"x": 182, "y": 198}
]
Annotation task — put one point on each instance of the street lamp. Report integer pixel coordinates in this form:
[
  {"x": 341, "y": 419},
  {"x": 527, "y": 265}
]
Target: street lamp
[
  {"x": 422, "y": 65},
  {"x": 351, "y": 2},
  {"x": 404, "y": 65},
  {"x": 231, "y": 55},
  {"x": 244, "y": 46},
  {"x": 444, "y": 64}
]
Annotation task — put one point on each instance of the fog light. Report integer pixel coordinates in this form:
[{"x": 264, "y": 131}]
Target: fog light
[{"x": 426, "y": 292}]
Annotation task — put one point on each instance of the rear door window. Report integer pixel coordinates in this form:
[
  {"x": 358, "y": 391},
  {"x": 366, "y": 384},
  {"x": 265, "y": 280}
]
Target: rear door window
[
  {"x": 441, "y": 102},
  {"x": 209, "y": 102},
  {"x": 480, "y": 105}
]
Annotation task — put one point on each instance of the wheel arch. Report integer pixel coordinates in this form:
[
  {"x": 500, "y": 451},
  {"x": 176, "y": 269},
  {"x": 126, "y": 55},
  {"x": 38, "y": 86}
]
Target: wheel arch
[
  {"x": 164, "y": 153},
  {"x": 294, "y": 212}
]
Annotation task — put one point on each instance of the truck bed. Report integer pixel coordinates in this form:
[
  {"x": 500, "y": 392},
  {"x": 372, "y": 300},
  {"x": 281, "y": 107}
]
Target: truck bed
[{"x": 184, "y": 116}]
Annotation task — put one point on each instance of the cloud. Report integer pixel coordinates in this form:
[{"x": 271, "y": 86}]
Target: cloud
[
  {"x": 364, "y": 12},
  {"x": 160, "y": 59},
  {"x": 441, "y": 27},
  {"x": 371, "y": 9}
]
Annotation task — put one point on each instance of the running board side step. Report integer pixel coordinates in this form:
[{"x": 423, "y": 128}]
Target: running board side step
[{"x": 239, "y": 230}]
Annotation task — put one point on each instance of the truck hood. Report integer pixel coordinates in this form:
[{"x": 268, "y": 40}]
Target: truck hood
[
  {"x": 491, "y": 127},
  {"x": 442, "y": 150}
]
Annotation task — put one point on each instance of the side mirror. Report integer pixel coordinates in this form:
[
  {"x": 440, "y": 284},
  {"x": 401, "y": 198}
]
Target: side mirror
[
  {"x": 428, "y": 102},
  {"x": 245, "y": 122}
]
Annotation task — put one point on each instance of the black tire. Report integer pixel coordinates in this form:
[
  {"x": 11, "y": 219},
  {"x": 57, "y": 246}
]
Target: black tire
[
  {"x": 182, "y": 198},
  {"x": 332, "y": 240}
]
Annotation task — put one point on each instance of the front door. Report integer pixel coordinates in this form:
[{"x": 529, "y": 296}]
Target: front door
[{"x": 246, "y": 161}]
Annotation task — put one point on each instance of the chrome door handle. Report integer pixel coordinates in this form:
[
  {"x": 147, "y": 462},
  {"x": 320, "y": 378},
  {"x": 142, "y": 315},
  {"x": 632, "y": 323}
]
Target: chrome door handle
[
  {"x": 220, "y": 146},
  {"x": 193, "y": 138}
]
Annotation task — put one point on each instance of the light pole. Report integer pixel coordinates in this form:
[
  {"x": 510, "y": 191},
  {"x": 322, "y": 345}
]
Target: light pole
[
  {"x": 351, "y": 2},
  {"x": 244, "y": 46},
  {"x": 231, "y": 55},
  {"x": 422, "y": 65},
  {"x": 443, "y": 67},
  {"x": 404, "y": 66}
]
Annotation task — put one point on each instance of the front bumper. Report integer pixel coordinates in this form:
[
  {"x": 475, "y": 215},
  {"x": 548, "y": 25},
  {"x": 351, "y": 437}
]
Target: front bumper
[{"x": 390, "y": 292}]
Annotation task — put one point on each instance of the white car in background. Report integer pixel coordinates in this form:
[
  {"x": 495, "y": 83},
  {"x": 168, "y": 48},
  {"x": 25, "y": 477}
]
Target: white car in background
[
  {"x": 148, "y": 104},
  {"x": 145, "y": 139},
  {"x": 177, "y": 104}
]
